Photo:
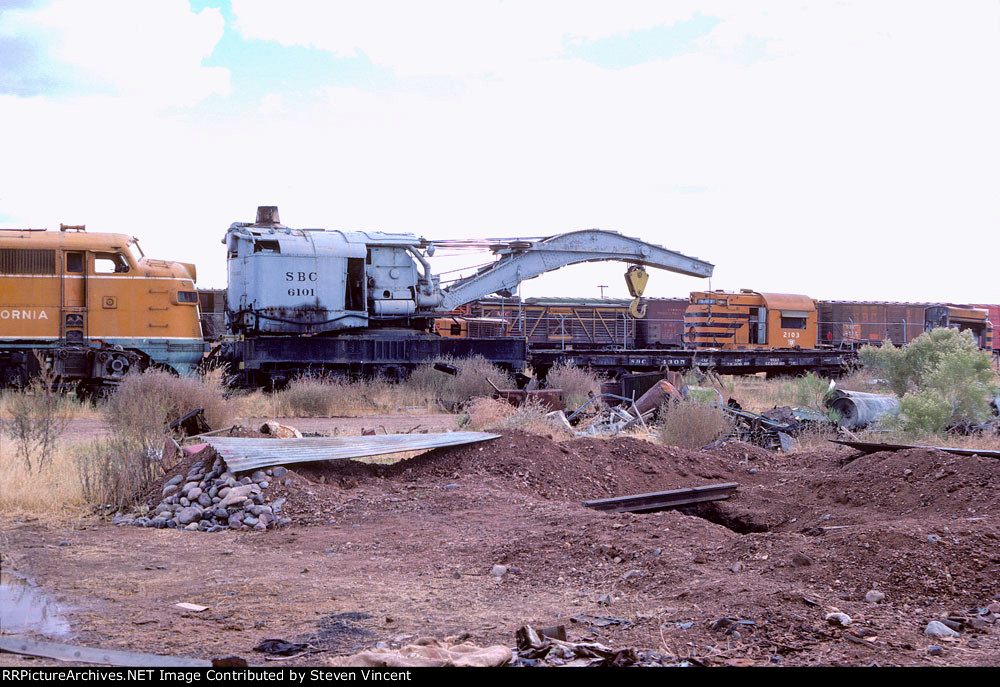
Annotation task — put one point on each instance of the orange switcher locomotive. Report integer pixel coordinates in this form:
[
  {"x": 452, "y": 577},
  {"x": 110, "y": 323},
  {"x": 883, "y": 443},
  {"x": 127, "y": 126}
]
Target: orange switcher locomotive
[{"x": 91, "y": 306}]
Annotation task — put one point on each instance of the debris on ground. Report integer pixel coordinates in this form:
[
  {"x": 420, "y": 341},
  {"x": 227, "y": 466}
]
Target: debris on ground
[
  {"x": 276, "y": 429},
  {"x": 536, "y": 649},
  {"x": 243, "y": 454},
  {"x": 859, "y": 409},
  {"x": 190, "y": 424},
  {"x": 661, "y": 500},
  {"x": 280, "y": 647},
  {"x": 872, "y": 447},
  {"x": 427, "y": 652}
]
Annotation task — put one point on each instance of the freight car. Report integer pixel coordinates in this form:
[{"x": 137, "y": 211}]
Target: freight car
[
  {"x": 91, "y": 307},
  {"x": 561, "y": 322},
  {"x": 850, "y": 324},
  {"x": 582, "y": 323}
]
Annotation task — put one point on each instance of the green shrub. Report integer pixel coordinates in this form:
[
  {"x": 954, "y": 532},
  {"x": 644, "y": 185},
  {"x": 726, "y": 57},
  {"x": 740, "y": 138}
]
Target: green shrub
[
  {"x": 809, "y": 391},
  {"x": 942, "y": 377}
]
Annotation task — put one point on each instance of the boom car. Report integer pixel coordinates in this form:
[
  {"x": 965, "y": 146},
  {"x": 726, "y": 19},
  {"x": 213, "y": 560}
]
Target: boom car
[
  {"x": 92, "y": 307},
  {"x": 301, "y": 301}
]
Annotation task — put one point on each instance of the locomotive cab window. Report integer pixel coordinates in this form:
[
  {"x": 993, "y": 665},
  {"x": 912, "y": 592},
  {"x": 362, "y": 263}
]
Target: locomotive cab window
[
  {"x": 263, "y": 246},
  {"x": 74, "y": 263},
  {"x": 793, "y": 320},
  {"x": 110, "y": 263}
]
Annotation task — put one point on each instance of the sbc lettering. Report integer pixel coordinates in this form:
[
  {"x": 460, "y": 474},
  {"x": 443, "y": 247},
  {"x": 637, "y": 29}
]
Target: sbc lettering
[{"x": 300, "y": 276}]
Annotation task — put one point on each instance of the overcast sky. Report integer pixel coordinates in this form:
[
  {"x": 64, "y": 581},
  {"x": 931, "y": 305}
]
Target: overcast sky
[{"x": 845, "y": 150}]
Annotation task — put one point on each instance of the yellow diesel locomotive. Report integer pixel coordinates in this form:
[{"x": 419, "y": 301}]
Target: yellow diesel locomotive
[
  {"x": 749, "y": 319},
  {"x": 91, "y": 306}
]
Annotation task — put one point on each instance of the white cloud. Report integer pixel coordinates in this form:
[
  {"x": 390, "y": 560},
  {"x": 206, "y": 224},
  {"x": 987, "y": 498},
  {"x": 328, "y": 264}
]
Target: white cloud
[
  {"x": 854, "y": 161},
  {"x": 449, "y": 37},
  {"x": 149, "y": 51}
]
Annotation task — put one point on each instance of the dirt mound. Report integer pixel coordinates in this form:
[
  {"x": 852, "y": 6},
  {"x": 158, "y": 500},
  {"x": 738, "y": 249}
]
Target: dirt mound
[
  {"x": 920, "y": 480},
  {"x": 571, "y": 470}
]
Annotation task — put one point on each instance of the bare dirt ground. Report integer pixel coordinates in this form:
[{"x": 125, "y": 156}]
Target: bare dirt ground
[{"x": 388, "y": 553}]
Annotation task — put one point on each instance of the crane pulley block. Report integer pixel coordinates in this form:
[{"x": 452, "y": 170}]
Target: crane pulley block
[{"x": 635, "y": 279}]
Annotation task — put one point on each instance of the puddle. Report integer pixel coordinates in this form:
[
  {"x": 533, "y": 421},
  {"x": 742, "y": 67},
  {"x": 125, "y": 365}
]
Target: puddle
[{"x": 24, "y": 607}]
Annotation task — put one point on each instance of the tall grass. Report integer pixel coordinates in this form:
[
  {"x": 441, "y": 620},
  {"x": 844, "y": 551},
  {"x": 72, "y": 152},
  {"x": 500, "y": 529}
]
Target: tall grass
[
  {"x": 578, "y": 384},
  {"x": 491, "y": 414},
  {"x": 335, "y": 396},
  {"x": 689, "y": 424},
  {"x": 113, "y": 472},
  {"x": 340, "y": 397},
  {"x": 51, "y": 491}
]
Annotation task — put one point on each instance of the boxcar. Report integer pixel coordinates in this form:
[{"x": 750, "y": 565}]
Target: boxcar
[{"x": 854, "y": 323}]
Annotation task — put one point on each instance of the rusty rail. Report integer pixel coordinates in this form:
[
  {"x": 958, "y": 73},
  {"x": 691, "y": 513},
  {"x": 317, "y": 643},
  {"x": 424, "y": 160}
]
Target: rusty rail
[{"x": 661, "y": 500}]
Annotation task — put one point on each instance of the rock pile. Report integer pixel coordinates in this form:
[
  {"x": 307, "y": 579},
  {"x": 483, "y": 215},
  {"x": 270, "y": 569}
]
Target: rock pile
[{"x": 210, "y": 500}]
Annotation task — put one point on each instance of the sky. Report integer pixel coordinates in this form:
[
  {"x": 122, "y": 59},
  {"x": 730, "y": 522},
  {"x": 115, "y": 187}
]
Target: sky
[{"x": 844, "y": 150}]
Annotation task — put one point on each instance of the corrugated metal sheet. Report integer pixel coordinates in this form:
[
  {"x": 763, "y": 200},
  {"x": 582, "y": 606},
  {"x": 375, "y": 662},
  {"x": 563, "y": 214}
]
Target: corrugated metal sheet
[{"x": 243, "y": 454}]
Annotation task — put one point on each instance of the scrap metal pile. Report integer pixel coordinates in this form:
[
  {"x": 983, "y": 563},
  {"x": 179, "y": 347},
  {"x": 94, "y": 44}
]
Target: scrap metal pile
[{"x": 614, "y": 412}]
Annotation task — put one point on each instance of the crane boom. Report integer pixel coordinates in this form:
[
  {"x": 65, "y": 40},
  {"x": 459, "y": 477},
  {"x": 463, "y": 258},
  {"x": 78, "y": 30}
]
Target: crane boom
[{"x": 521, "y": 260}]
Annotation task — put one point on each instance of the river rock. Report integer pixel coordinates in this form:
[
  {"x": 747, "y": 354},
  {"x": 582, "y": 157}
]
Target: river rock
[
  {"x": 838, "y": 619},
  {"x": 237, "y": 494},
  {"x": 938, "y": 629},
  {"x": 188, "y": 515}
]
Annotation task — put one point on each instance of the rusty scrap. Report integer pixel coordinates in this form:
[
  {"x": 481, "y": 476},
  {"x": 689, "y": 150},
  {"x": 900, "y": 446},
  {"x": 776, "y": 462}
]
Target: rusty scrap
[
  {"x": 108, "y": 657},
  {"x": 870, "y": 447},
  {"x": 243, "y": 454}
]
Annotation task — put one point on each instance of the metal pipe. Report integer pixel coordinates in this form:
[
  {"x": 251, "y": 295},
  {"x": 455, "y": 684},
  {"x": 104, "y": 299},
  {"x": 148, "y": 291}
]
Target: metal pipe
[{"x": 858, "y": 409}]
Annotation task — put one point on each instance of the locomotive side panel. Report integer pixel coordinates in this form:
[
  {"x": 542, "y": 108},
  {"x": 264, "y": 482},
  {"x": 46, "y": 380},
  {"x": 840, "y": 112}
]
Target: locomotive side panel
[{"x": 85, "y": 301}]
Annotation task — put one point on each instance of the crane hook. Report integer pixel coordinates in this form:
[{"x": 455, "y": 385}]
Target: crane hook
[
  {"x": 637, "y": 310},
  {"x": 635, "y": 279}
]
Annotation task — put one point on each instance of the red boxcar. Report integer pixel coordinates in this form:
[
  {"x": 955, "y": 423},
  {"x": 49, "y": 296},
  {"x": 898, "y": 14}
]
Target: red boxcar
[
  {"x": 663, "y": 325},
  {"x": 854, "y": 323}
]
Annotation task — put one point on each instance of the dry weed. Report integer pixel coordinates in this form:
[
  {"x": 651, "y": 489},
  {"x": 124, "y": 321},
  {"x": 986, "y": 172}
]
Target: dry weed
[
  {"x": 578, "y": 384},
  {"x": 340, "y": 397},
  {"x": 692, "y": 425},
  {"x": 490, "y": 414},
  {"x": 50, "y": 491},
  {"x": 147, "y": 401}
]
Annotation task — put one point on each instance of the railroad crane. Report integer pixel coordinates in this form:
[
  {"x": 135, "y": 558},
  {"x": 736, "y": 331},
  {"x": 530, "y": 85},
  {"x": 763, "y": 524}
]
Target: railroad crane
[{"x": 302, "y": 301}]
